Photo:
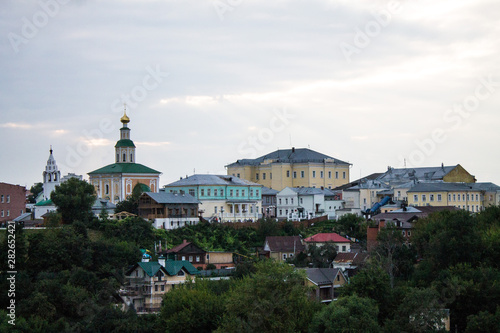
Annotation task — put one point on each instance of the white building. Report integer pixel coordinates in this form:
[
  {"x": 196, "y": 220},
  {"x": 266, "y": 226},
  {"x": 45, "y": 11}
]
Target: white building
[{"x": 296, "y": 203}]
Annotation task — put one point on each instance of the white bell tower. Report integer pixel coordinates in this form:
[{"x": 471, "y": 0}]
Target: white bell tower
[{"x": 51, "y": 176}]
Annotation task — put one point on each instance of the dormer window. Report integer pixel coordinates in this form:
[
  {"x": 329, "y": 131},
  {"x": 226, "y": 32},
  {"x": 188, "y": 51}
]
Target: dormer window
[{"x": 181, "y": 273}]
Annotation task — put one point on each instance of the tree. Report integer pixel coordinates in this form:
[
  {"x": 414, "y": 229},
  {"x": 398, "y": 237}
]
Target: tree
[
  {"x": 484, "y": 322},
  {"x": 193, "y": 307},
  {"x": 353, "y": 226},
  {"x": 274, "y": 299},
  {"x": 131, "y": 203},
  {"x": 74, "y": 199},
  {"x": 315, "y": 256},
  {"x": 347, "y": 314},
  {"x": 35, "y": 190}
]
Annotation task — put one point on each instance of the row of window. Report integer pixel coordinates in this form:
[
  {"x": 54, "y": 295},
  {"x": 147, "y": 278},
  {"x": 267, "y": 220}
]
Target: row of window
[
  {"x": 451, "y": 197},
  {"x": 2, "y": 214},
  {"x": 302, "y": 175},
  {"x": 5, "y": 197},
  {"x": 220, "y": 192},
  {"x": 301, "y": 200}
]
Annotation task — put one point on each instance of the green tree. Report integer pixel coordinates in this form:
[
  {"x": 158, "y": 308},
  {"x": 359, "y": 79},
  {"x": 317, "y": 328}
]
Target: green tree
[
  {"x": 484, "y": 322},
  {"x": 315, "y": 256},
  {"x": 193, "y": 307},
  {"x": 347, "y": 314},
  {"x": 274, "y": 299},
  {"x": 35, "y": 190},
  {"x": 74, "y": 199},
  {"x": 353, "y": 226},
  {"x": 131, "y": 203}
]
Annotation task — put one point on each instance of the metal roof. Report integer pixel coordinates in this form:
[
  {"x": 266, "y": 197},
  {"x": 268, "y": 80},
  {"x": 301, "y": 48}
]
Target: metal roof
[
  {"x": 197, "y": 180},
  {"x": 322, "y": 276},
  {"x": 172, "y": 198},
  {"x": 124, "y": 168},
  {"x": 299, "y": 155}
]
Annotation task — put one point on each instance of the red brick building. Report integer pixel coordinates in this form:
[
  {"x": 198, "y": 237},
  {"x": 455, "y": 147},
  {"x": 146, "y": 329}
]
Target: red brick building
[{"x": 12, "y": 201}]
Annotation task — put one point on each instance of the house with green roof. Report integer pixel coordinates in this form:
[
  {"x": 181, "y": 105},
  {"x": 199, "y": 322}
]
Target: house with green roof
[
  {"x": 115, "y": 182},
  {"x": 147, "y": 281}
]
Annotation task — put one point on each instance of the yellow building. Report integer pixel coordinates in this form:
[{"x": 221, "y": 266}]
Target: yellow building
[
  {"x": 292, "y": 168},
  {"x": 116, "y": 181},
  {"x": 473, "y": 197},
  {"x": 449, "y": 174}
]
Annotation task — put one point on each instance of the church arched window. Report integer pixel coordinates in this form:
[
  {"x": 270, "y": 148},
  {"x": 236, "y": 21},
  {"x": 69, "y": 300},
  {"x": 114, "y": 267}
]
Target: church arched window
[
  {"x": 124, "y": 157},
  {"x": 131, "y": 157},
  {"x": 55, "y": 177}
]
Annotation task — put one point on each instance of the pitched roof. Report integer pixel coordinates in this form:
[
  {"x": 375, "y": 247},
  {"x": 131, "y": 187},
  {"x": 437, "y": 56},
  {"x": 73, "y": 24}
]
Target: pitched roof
[
  {"x": 312, "y": 191},
  {"x": 322, "y": 276},
  {"x": 179, "y": 247},
  {"x": 268, "y": 191},
  {"x": 163, "y": 197},
  {"x": 285, "y": 243},
  {"x": 201, "y": 179},
  {"x": 44, "y": 203},
  {"x": 356, "y": 182},
  {"x": 124, "y": 168},
  {"x": 299, "y": 155},
  {"x": 326, "y": 237},
  {"x": 172, "y": 267},
  {"x": 450, "y": 187},
  {"x": 423, "y": 173},
  {"x": 351, "y": 257}
]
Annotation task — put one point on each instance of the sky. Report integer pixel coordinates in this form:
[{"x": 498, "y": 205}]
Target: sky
[{"x": 205, "y": 83}]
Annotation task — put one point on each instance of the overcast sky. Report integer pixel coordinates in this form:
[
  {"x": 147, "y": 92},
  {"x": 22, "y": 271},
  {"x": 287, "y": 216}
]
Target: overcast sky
[{"x": 373, "y": 83}]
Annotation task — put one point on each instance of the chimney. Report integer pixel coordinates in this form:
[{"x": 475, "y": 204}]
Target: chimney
[
  {"x": 293, "y": 149},
  {"x": 161, "y": 260}
]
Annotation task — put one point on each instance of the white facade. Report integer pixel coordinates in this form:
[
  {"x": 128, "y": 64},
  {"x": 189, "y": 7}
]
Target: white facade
[
  {"x": 306, "y": 203},
  {"x": 51, "y": 176},
  {"x": 174, "y": 222}
]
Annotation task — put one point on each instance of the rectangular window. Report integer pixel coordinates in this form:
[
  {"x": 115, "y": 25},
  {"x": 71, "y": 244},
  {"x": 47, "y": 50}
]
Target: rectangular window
[
  {"x": 221, "y": 192},
  {"x": 191, "y": 192},
  {"x": 237, "y": 193},
  {"x": 238, "y": 175},
  {"x": 230, "y": 193},
  {"x": 288, "y": 173},
  {"x": 415, "y": 197},
  {"x": 257, "y": 176},
  {"x": 314, "y": 174},
  {"x": 270, "y": 175},
  {"x": 183, "y": 258},
  {"x": 156, "y": 287},
  {"x": 329, "y": 174},
  {"x": 279, "y": 201},
  {"x": 336, "y": 175},
  {"x": 286, "y": 201},
  {"x": 439, "y": 197},
  {"x": 209, "y": 192},
  {"x": 295, "y": 174},
  {"x": 8, "y": 198},
  {"x": 477, "y": 197},
  {"x": 263, "y": 175},
  {"x": 468, "y": 197},
  {"x": 215, "y": 210},
  {"x": 302, "y": 174},
  {"x": 2, "y": 215},
  {"x": 197, "y": 258},
  {"x": 284, "y": 256},
  {"x": 2, "y": 199},
  {"x": 202, "y": 192},
  {"x": 454, "y": 197},
  {"x": 463, "y": 197},
  {"x": 242, "y": 193},
  {"x": 215, "y": 192},
  {"x": 321, "y": 174},
  {"x": 162, "y": 287},
  {"x": 190, "y": 258},
  {"x": 424, "y": 197},
  {"x": 301, "y": 200},
  {"x": 291, "y": 201},
  {"x": 343, "y": 174},
  {"x": 431, "y": 197},
  {"x": 343, "y": 248},
  {"x": 251, "y": 193},
  {"x": 257, "y": 192},
  {"x": 8, "y": 212}
]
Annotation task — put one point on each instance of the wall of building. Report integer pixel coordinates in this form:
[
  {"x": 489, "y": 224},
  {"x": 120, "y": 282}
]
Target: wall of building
[{"x": 12, "y": 201}]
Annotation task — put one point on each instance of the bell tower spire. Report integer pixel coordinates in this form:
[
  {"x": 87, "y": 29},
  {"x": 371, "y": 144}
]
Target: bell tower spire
[
  {"x": 51, "y": 176},
  {"x": 125, "y": 148}
]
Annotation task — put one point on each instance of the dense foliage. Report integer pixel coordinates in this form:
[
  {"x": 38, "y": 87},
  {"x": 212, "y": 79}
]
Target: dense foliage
[{"x": 68, "y": 278}]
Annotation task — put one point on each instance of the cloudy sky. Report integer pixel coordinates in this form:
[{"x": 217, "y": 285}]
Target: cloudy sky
[{"x": 374, "y": 83}]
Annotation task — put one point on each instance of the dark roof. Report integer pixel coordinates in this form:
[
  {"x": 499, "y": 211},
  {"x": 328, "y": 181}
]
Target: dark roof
[
  {"x": 424, "y": 173},
  {"x": 312, "y": 191},
  {"x": 179, "y": 247},
  {"x": 356, "y": 182},
  {"x": 285, "y": 243},
  {"x": 352, "y": 257},
  {"x": 299, "y": 155},
  {"x": 172, "y": 198},
  {"x": 412, "y": 213},
  {"x": 125, "y": 143},
  {"x": 124, "y": 168},
  {"x": 268, "y": 191},
  {"x": 322, "y": 276},
  {"x": 196, "y": 180}
]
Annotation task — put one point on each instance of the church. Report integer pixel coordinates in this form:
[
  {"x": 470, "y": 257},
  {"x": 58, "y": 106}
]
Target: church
[{"x": 115, "y": 182}]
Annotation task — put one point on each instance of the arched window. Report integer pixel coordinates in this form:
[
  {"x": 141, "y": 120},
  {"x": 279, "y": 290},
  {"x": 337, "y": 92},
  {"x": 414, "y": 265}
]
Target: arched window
[
  {"x": 124, "y": 157},
  {"x": 107, "y": 189},
  {"x": 117, "y": 157},
  {"x": 131, "y": 159},
  {"x": 50, "y": 178},
  {"x": 55, "y": 176}
]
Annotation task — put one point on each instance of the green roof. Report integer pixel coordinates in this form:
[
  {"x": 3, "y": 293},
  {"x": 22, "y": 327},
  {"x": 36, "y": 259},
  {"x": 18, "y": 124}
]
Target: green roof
[
  {"x": 171, "y": 267},
  {"x": 124, "y": 168},
  {"x": 124, "y": 143},
  {"x": 44, "y": 203}
]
